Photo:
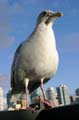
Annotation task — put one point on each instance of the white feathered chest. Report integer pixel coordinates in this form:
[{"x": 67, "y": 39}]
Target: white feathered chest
[{"x": 39, "y": 52}]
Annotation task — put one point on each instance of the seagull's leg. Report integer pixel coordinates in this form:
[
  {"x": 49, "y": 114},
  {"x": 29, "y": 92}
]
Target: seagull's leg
[
  {"x": 27, "y": 91},
  {"x": 45, "y": 101},
  {"x": 41, "y": 86}
]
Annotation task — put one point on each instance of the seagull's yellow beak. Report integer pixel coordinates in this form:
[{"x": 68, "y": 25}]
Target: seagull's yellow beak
[
  {"x": 58, "y": 14},
  {"x": 53, "y": 16}
]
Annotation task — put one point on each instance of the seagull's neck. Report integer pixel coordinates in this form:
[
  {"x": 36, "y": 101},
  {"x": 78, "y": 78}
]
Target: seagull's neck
[{"x": 46, "y": 33}]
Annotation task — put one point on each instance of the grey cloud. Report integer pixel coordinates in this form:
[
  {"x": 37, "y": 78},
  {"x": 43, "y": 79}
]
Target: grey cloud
[{"x": 3, "y": 77}]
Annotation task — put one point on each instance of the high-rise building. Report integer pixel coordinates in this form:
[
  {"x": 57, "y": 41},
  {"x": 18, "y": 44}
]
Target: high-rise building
[
  {"x": 1, "y": 99},
  {"x": 5, "y": 103},
  {"x": 52, "y": 96},
  {"x": 63, "y": 95},
  {"x": 74, "y": 99},
  {"x": 77, "y": 92},
  {"x": 8, "y": 98}
]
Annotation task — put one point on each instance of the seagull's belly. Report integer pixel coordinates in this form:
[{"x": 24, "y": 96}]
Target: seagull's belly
[
  {"x": 43, "y": 63},
  {"x": 47, "y": 65},
  {"x": 40, "y": 54}
]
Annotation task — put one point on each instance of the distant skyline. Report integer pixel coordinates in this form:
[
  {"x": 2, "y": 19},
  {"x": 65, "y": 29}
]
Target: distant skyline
[{"x": 17, "y": 21}]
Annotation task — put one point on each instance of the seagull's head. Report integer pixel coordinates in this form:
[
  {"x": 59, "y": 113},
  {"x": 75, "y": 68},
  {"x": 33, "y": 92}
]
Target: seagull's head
[{"x": 48, "y": 17}]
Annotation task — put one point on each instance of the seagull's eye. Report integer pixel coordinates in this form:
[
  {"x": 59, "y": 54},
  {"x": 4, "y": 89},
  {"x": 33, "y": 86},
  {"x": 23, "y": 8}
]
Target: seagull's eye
[{"x": 44, "y": 13}]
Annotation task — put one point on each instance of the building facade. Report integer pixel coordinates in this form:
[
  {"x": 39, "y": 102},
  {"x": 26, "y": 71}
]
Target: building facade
[
  {"x": 77, "y": 92},
  {"x": 52, "y": 96},
  {"x": 1, "y": 99},
  {"x": 63, "y": 95},
  {"x": 74, "y": 99}
]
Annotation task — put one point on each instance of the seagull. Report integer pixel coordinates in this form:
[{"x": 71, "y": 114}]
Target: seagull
[{"x": 36, "y": 59}]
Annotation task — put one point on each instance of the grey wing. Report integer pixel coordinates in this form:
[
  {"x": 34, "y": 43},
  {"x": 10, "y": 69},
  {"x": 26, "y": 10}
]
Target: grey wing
[{"x": 13, "y": 65}]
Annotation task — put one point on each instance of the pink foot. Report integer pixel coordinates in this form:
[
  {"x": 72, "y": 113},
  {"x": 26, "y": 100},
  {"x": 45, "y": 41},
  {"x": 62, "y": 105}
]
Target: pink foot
[{"x": 48, "y": 104}]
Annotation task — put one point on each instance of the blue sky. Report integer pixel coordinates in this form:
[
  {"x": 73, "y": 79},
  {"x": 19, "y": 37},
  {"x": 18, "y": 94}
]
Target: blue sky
[{"x": 17, "y": 21}]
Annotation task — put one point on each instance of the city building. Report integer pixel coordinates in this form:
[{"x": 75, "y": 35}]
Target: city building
[
  {"x": 77, "y": 92},
  {"x": 74, "y": 99},
  {"x": 5, "y": 103},
  {"x": 8, "y": 98},
  {"x": 52, "y": 96},
  {"x": 63, "y": 95},
  {"x": 1, "y": 99}
]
